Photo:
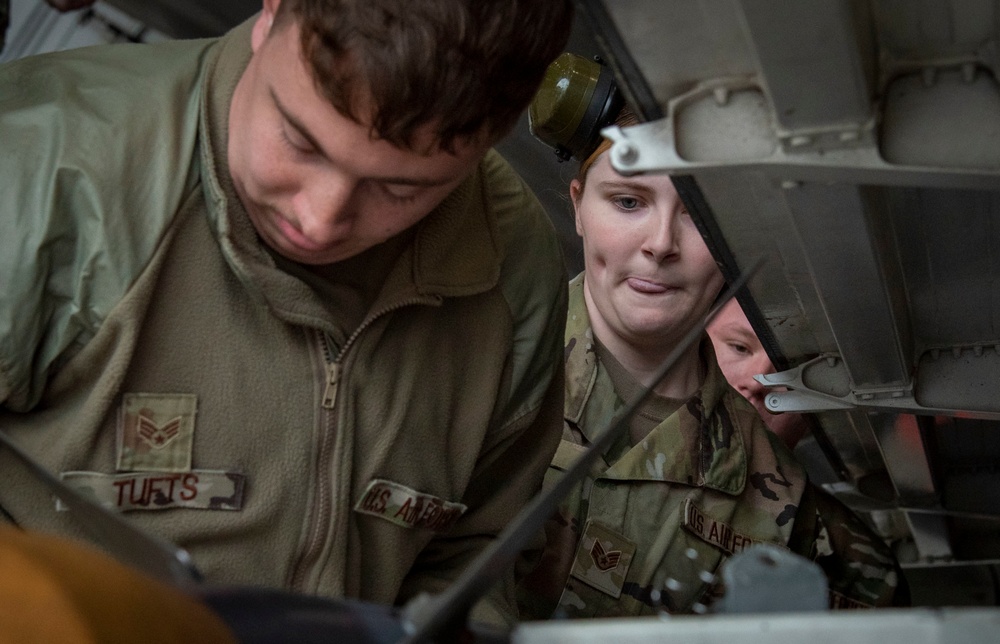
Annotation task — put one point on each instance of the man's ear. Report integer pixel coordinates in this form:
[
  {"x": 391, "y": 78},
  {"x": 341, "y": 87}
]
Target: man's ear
[
  {"x": 265, "y": 21},
  {"x": 575, "y": 195}
]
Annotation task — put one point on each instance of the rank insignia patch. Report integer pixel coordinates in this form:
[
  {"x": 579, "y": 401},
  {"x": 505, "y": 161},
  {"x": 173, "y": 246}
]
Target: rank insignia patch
[
  {"x": 603, "y": 559},
  {"x": 156, "y": 432}
]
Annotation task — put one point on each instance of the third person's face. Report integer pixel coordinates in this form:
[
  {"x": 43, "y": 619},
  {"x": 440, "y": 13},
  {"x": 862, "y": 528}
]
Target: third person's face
[{"x": 741, "y": 356}]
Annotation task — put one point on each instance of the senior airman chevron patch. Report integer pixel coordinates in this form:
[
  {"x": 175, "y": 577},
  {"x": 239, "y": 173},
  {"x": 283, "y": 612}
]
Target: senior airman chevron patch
[{"x": 156, "y": 432}]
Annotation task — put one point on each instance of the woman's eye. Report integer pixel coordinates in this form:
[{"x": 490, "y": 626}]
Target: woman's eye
[{"x": 626, "y": 203}]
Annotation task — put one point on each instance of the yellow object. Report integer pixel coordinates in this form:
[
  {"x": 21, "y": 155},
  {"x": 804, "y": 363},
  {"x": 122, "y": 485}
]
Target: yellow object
[{"x": 56, "y": 590}]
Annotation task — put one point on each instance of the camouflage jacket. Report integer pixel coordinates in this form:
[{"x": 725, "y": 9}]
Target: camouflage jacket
[{"x": 652, "y": 524}]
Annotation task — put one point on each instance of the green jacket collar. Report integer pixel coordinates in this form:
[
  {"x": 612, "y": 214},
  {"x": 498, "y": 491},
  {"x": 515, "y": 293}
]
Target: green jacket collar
[{"x": 701, "y": 444}]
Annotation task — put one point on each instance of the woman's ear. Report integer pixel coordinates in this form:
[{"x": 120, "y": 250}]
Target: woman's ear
[{"x": 576, "y": 195}]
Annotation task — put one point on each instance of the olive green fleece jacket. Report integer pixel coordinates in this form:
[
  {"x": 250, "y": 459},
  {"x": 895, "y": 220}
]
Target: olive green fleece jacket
[{"x": 153, "y": 355}]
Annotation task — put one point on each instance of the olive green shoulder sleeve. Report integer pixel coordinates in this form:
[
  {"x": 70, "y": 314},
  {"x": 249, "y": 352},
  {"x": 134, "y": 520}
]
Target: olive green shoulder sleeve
[
  {"x": 98, "y": 153},
  {"x": 533, "y": 282}
]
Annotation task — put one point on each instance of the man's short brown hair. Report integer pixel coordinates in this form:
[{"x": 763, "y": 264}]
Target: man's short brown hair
[{"x": 464, "y": 67}]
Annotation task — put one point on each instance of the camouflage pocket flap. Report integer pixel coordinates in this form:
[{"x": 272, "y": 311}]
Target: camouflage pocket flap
[{"x": 566, "y": 454}]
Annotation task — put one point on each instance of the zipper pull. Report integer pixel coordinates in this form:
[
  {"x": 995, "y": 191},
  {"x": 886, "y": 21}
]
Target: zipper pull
[{"x": 332, "y": 380}]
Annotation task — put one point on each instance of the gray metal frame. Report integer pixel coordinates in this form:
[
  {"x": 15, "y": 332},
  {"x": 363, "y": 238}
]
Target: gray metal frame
[{"x": 854, "y": 144}]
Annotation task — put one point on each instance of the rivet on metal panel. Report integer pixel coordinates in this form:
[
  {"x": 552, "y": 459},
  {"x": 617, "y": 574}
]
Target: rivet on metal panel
[
  {"x": 699, "y": 608},
  {"x": 928, "y": 75},
  {"x": 978, "y": 351},
  {"x": 625, "y": 153},
  {"x": 790, "y": 185},
  {"x": 691, "y": 554},
  {"x": 721, "y": 95},
  {"x": 672, "y": 584},
  {"x": 706, "y": 577},
  {"x": 956, "y": 352},
  {"x": 799, "y": 140},
  {"x": 968, "y": 72},
  {"x": 831, "y": 361}
]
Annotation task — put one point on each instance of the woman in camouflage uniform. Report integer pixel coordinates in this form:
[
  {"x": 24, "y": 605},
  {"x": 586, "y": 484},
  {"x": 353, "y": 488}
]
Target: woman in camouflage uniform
[{"x": 698, "y": 477}]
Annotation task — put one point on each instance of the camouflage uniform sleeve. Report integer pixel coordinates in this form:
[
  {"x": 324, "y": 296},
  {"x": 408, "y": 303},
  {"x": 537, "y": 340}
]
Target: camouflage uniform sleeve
[{"x": 861, "y": 569}]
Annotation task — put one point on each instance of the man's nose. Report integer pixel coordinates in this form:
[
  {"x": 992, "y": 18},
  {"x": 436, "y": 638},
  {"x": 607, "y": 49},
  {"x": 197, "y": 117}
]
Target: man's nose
[{"x": 324, "y": 209}]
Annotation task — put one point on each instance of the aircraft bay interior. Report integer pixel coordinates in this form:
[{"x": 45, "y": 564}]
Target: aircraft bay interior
[{"x": 854, "y": 147}]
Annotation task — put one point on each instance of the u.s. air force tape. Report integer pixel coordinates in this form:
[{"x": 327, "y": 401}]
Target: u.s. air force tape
[
  {"x": 713, "y": 531},
  {"x": 408, "y": 508}
]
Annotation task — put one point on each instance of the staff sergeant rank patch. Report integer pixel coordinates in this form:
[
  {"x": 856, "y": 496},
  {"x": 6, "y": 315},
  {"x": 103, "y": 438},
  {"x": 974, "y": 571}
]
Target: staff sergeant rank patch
[
  {"x": 603, "y": 559},
  {"x": 408, "y": 508}
]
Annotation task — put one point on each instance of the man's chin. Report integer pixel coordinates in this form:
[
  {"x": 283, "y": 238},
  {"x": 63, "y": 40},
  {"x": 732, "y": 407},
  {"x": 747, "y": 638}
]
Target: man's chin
[{"x": 311, "y": 259}]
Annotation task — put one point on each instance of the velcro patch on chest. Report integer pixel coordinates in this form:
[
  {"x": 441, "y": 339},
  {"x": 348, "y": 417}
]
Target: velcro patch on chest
[
  {"x": 603, "y": 559},
  {"x": 156, "y": 432},
  {"x": 714, "y": 531},
  {"x": 408, "y": 508},
  {"x": 197, "y": 489}
]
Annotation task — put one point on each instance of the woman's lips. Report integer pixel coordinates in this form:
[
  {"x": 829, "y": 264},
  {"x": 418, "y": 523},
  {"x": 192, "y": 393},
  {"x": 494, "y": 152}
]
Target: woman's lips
[{"x": 646, "y": 286}]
